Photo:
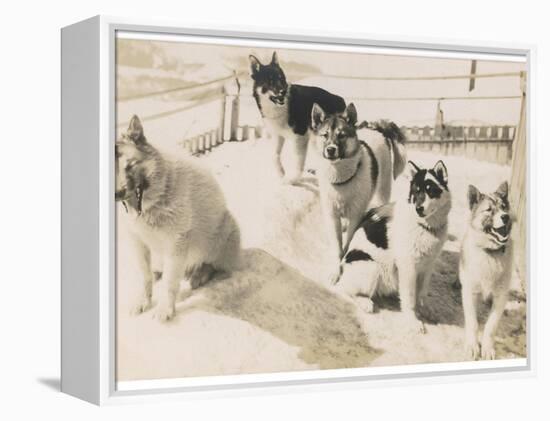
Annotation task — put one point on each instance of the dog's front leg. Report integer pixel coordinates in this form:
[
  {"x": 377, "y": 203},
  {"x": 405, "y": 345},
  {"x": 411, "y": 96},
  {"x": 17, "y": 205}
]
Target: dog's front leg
[
  {"x": 407, "y": 293},
  {"x": 143, "y": 256},
  {"x": 300, "y": 149},
  {"x": 487, "y": 340},
  {"x": 425, "y": 285},
  {"x": 471, "y": 344},
  {"x": 280, "y": 141},
  {"x": 334, "y": 231},
  {"x": 353, "y": 224},
  {"x": 173, "y": 272}
]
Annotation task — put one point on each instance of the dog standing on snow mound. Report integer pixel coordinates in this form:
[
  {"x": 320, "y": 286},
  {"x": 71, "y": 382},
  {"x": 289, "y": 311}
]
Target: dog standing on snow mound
[
  {"x": 286, "y": 110},
  {"x": 351, "y": 173},
  {"x": 177, "y": 211},
  {"x": 397, "y": 245},
  {"x": 486, "y": 258}
]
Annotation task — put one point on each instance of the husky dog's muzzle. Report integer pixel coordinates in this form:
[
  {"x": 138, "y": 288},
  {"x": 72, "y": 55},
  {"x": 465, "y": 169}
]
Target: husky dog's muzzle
[
  {"x": 331, "y": 152},
  {"x": 124, "y": 195},
  {"x": 279, "y": 99},
  {"x": 500, "y": 234},
  {"x": 420, "y": 211}
]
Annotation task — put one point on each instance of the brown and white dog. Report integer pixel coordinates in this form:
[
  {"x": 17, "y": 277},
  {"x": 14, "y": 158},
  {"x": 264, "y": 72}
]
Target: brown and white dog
[
  {"x": 486, "y": 265},
  {"x": 351, "y": 173}
]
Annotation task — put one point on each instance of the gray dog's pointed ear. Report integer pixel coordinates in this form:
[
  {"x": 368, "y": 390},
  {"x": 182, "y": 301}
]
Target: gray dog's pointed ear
[
  {"x": 255, "y": 64},
  {"x": 440, "y": 171},
  {"x": 317, "y": 116},
  {"x": 351, "y": 114},
  {"x": 474, "y": 196},
  {"x": 502, "y": 190},
  {"x": 135, "y": 130},
  {"x": 275, "y": 58}
]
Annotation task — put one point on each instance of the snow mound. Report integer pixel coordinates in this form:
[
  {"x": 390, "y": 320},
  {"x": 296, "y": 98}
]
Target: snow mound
[{"x": 276, "y": 313}]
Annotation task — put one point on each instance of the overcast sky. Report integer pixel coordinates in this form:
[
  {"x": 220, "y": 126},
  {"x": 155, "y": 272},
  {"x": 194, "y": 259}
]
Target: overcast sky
[{"x": 203, "y": 62}]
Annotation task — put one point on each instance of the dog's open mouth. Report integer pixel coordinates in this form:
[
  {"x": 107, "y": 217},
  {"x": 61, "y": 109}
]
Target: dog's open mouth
[
  {"x": 500, "y": 234},
  {"x": 279, "y": 100},
  {"x": 134, "y": 200}
]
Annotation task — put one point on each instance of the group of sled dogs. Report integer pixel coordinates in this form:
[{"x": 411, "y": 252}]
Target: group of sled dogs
[{"x": 177, "y": 210}]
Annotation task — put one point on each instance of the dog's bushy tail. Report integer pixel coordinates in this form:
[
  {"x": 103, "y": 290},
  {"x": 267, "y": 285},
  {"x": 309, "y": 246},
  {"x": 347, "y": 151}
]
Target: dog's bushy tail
[
  {"x": 389, "y": 129},
  {"x": 396, "y": 139}
]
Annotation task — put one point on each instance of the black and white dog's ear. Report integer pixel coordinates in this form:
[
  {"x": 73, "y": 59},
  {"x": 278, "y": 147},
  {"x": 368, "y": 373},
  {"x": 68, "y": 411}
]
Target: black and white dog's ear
[
  {"x": 275, "y": 58},
  {"x": 255, "y": 64},
  {"x": 440, "y": 171},
  {"x": 317, "y": 116},
  {"x": 412, "y": 169},
  {"x": 351, "y": 114},
  {"x": 135, "y": 130},
  {"x": 502, "y": 191},
  {"x": 474, "y": 196}
]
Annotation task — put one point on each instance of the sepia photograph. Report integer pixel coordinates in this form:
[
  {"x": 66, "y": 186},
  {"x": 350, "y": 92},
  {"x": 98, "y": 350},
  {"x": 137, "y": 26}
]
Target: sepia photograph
[{"x": 290, "y": 207}]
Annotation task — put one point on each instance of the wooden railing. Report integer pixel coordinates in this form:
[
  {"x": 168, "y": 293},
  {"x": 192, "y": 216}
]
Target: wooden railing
[
  {"x": 485, "y": 143},
  {"x": 488, "y": 143}
]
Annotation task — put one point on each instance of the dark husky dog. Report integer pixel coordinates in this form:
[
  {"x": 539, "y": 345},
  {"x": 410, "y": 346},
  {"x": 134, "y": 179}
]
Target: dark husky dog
[{"x": 286, "y": 109}]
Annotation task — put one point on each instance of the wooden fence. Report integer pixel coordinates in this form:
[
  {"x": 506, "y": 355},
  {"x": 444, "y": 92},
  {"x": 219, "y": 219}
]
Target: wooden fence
[
  {"x": 492, "y": 144},
  {"x": 486, "y": 143}
]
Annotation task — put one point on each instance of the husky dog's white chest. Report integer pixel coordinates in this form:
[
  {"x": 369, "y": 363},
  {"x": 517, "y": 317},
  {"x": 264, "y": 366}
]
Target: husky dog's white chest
[
  {"x": 486, "y": 271},
  {"x": 409, "y": 239},
  {"x": 351, "y": 196}
]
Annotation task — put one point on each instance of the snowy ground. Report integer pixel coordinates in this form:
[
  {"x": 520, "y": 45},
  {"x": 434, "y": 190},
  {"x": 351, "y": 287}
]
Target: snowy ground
[{"x": 275, "y": 313}]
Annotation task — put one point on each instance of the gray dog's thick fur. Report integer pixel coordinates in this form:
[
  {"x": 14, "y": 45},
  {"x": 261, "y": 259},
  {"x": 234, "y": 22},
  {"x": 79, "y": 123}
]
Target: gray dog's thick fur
[{"x": 175, "y": 210}]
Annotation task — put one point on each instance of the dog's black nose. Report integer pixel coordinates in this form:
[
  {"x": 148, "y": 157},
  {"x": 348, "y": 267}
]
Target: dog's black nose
[
  {"x": 420, "y": 210},
  {"x": 331, "y": 151},
  {"x": 505, "y": 218}
]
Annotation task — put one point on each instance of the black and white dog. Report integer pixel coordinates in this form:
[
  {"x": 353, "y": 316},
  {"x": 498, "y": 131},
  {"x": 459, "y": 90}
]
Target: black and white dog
[
  {"x": 397, "y": 245},
  {"x": 286, "y": 110}
]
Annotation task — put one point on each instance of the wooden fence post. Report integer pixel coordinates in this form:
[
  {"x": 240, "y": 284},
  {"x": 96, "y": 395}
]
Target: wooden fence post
[
  {"x": 517, "y": 186},
  {"x": 222, "y": 116},
  {"x": 235, "y": 106}
]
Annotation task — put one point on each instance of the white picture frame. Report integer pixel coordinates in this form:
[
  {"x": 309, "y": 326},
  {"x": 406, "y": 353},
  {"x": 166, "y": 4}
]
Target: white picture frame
[{"x": 88, "y": 220}]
